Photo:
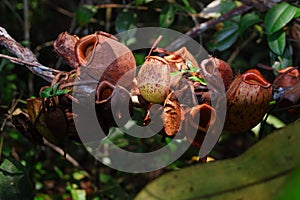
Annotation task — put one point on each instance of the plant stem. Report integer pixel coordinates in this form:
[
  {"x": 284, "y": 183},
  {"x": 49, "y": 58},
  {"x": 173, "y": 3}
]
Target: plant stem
[{"x": 200, "y": 28}]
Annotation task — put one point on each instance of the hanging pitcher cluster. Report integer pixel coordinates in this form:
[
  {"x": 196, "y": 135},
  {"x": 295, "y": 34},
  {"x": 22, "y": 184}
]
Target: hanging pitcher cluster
[
  {"x": 50, "y": 115},
  {"x": 172, "y": 80}
]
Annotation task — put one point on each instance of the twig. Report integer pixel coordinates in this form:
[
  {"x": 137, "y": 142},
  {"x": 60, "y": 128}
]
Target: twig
[
  {"x": 9, "y": 112},
  {"x": 155, "y": 44},
  {"x": 41, "y": 46},
  {"x": 26, "y": 55},
  {"x": 240, "y": 47},
  {"x": 26, "y": 27},
  {"x": 26, "y": 21},
  {"x": 13, "y": 10},
  {"x": 8, "y": 116},
  {"x": 67, "y": 156},
  {"x": 200, "y": 28},
  {"x": 263, "y": 66},
  {"x": 29, "y": 64},
  {"x": 105, "y": 6}
]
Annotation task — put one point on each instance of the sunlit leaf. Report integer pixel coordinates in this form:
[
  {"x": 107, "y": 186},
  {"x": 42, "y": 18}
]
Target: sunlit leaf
[
  {"x": 259, "y": 29},
  {"x": 278, "y": 16},
  {"x": 212, "y": 10},
  {"x": 277, "y": 123},
  {"x": 260, "y": 171},
  {"x": 79, "y": 175},
  {"x": 78, "y": 194}
]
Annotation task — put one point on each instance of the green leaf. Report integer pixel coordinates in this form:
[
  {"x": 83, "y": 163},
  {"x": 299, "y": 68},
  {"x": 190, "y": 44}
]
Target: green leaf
[
  {"x": 297, "y": 14},
  {"x": 84, "y": 13},
  {"x": 290, "y": 188},
  {"x": 167, "y": 15},
  {"x": 175, "y": 73},
  {"x": 197, "y": 79},
  {"x": 225, "y": 38},
  {"x": 247, "y": 21},
  {"x": 42, "y": 196},
  {"x": 54, "y": 88},
  {"x": 53, "y": 91},
  {"x": 126, "y": 20},
  {"x": 189, "y": 8},
  {"x": 139, "y": 2},
  {"x": 226, "y": 6},
  {"x": 277, "y": 42},
  {"x": 211, "y": 10},
  {"x": 14, "y": 181},
  {"x": 286, "y": 59},
  {"x": 259, "y": 29},
  {"x": 79, "y": 175},
  {"x": 276, "y": 66},
  {"x": 105, "y": 178},
  {"x": 257, "y": 174},
  {"x": 11, "y": 77},
  {"x": 277, "y": 123},
  {"x": 61, "y": 92},
  {"x": 78, "y": 194},
  {"x": 278, "y": 16},
  {"x": 189, "y": 64},
  {"x": 139, "y": 58},
  {"x": 46, "y": 93}
]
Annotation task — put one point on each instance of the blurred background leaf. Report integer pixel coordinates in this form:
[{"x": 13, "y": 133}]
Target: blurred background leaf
[
  {"x": 14, "y": 180},
  {"x": 126, "y": 20},
  {"x": 84, "y": 14},
  {"x": 247, "y": 21},
  {"x": 166, "y": 18}
]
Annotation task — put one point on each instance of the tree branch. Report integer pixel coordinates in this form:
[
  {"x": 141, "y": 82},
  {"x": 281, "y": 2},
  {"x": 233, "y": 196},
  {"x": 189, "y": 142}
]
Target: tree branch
[
  {"x": 200, "y": 28},
  {"x": 25, "y": 57},
  {"x": 30, "y": 61}
]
